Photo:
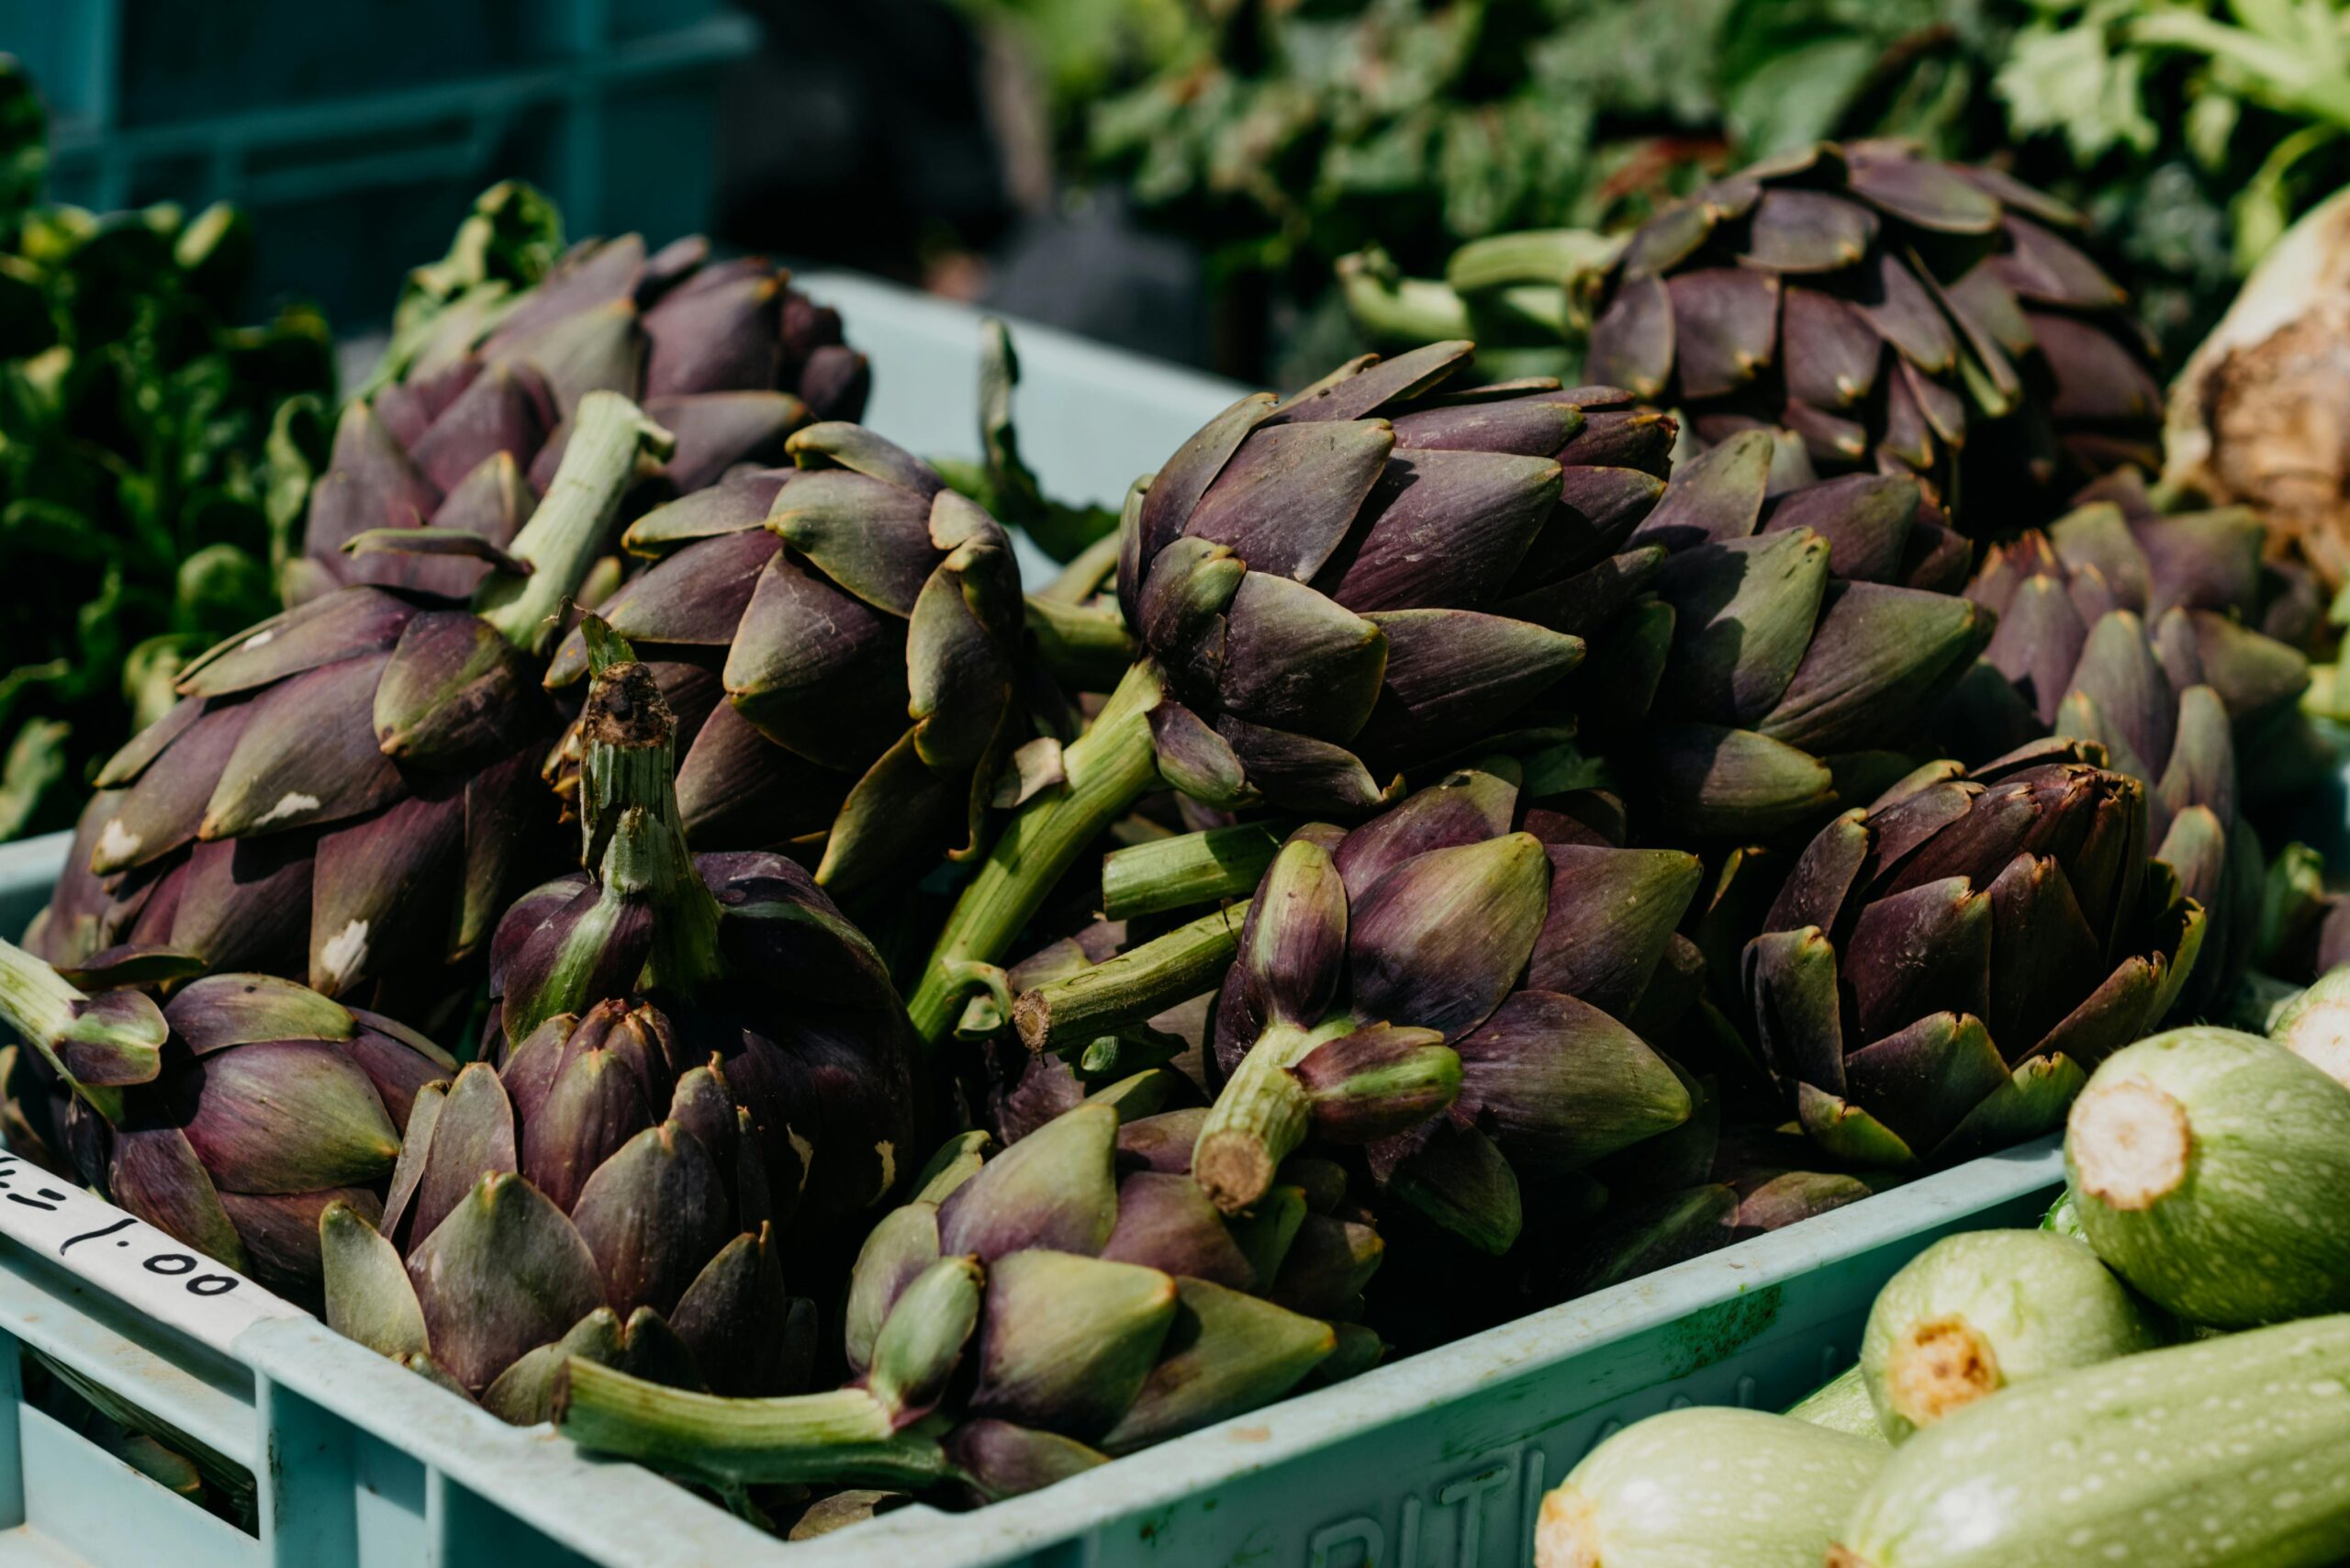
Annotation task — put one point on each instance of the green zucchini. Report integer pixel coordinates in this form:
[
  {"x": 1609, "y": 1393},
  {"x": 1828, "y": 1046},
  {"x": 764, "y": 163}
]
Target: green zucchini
[
  {"x": 2062, "y": 1218},
  {"x": 2210, "y": 1169},
  {"x": 1987, "y": 1309},
  {"x": 2315, "y": 1024},
  {"x": 1841, "y": 1404},
  {"x": 1706, "y": 1488},
  {"x": 2230, "y": 1453}
]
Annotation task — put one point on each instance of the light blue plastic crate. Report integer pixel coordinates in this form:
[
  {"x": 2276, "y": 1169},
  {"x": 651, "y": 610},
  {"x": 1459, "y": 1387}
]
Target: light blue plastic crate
[{"x": 1437, "y": 1462}]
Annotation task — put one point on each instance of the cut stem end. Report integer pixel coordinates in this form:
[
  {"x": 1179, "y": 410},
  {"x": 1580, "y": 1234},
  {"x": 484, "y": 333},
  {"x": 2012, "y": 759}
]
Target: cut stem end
[
  {"x": 1938, "y": 1366},
  {"x": 1566, "y": 1535},
  {"x": 2130, "y": 1144},
  {"x": 1234, "y": 1168}
]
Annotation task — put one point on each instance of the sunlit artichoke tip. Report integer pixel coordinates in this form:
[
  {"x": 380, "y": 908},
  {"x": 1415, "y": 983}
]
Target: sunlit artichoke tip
[
  {"x": 1371, "y": 575},
  {"x": 1030, "y": 1314},
  {"x": 344, "y": 793},
  {"x": 795, "y": 617},
  {"x": 228, "y": 1117},
  {"x": 1942, "y": 969},
  {"x": 695, "y": 1062}
]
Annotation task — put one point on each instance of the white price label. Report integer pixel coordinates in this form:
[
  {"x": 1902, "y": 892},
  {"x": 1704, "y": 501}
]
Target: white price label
[{"x": 129, "y": 1259}]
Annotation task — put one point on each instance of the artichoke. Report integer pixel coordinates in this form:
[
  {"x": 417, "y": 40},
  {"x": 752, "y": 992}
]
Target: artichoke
[
  {"x": 230, "y": 1116},
  {"x": 2142, "y": 632},
  {"x": 795, "y": 617},
  {"x": 1891, "y": 311},
  {"x": 1942, "y": 970},
  {"x": 1465, "y": 999},
  {"x": 1098, "y": 1314},
  {"x": 725, "y": 356},
  {"x": 1365, "y": 577},
  {"x": 2202, "y": 606},
  {"x": 692, "y": 1055},
  {"x": 1747, "y": 1183},
  {"x": 1799, "y": 628},
  {"x": 344, "y": 793}
]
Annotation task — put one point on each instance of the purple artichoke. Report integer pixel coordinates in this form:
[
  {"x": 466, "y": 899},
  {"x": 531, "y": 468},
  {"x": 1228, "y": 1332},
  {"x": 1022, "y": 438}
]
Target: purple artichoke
[
  {"x": 797, "y": 619},
  {"x": 1365, "y": 577},
  {"x": 2142, "y": 632},
  {"x": 692, "y": 1055},
  {"x": 1893, "y": 312},
  {"x": 1029, "y": 1314},
  {"x": 1799, "y": 630},
  {"x": 1942, "y": 970},
  {"x": 725, "y": 356},
  {"x": 344, "y": 794},
  {"x": 1463, "y": 997},
  {"x": 230, "y": 1117}
]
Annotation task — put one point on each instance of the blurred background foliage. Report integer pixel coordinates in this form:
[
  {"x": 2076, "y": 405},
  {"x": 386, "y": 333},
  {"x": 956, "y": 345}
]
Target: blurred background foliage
[{"x": 1282, "y": 134}]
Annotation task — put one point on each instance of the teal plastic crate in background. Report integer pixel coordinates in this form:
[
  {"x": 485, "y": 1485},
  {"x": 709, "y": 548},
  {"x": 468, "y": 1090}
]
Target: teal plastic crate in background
[{"x": 354, "y": 131}]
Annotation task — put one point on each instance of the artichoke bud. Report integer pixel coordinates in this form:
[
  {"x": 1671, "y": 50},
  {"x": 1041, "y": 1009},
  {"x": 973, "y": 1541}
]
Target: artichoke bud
[
  {"x": 220, "y": 1011},
  {"x": 110, "y": 1040},
  {"x": 595, "y": 946},
  {"x": 1329, "y": 1264},
  {"x": 703, "y": 1107},
  {"x": 1004, "y": 1461},
  {"x": 1191, "y": 584},
  {"x": 1066, "y": 1341},
  {"x": 604, "y": 1092},
  {"x": 1357, "y": 1350},
  {"x": 1196, "y": 760},
  {"x": 1460, "y": 1181},
  {"x": 1293, "y": 945},
  {"x": 453, "y": 691},
  {"x": 957, "y": 1162},
  {"x": 895, "y": 1253},
  {"x": 1166, "y": 1221},
  {"x": 1226, "y": 1354},
  {"x": 978, "y": 554},
  {"x": 1378, "y": 1082},
  {"x": 1438, "y": 942},
  {"x": 922, "y": 1339},
  {"x": 839, "y": 443},
  {"x": 1055, "y": 1188},
  {"x": 1468, "y": 806}
]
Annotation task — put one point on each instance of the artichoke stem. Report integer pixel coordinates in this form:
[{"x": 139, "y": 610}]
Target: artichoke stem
[
  {"x": 843, "y": 1436},
  {"x": 1108, "y": 768},
  {"x": 1257, "y": 1121},
  {"x": 1087, "y": 571},
  {"x": 1401, "y": 309},
  {"x": 1188, "y": 869},
  {"x": 1068, "y": 1015},
  {"x": 1083, "y": 648},
  {"x": 611, "y": 442},
  {"x": 634, "y": 837}
]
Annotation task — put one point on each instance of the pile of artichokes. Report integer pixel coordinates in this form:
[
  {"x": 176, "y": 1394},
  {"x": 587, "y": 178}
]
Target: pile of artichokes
[{"x": 1480, "y": 858}]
